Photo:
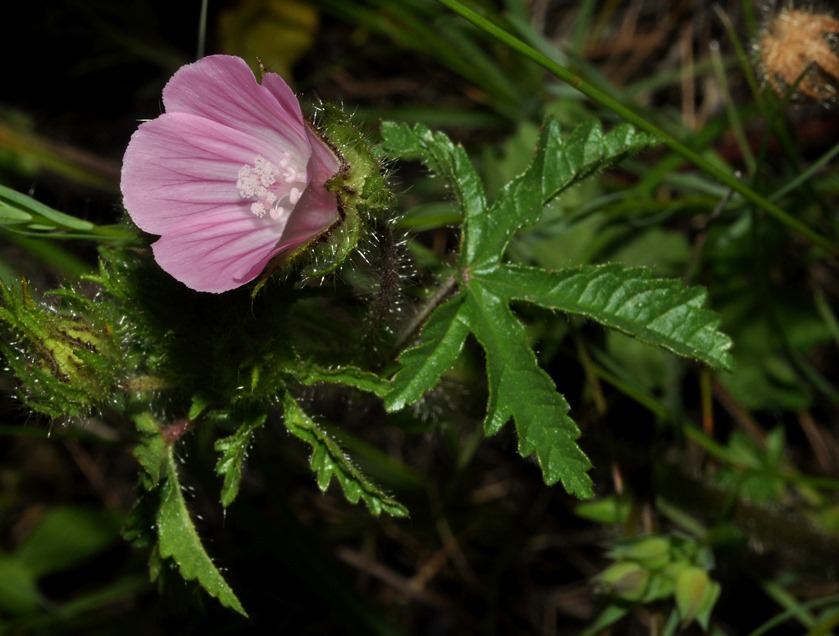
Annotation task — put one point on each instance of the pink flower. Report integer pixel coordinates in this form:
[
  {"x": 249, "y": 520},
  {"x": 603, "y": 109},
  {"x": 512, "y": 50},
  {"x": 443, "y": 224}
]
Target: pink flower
[{"x": 230, "y": 176}]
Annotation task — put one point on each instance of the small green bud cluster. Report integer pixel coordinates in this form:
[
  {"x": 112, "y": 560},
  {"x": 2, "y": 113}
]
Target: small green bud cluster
[{"x": 652, "y": 568}]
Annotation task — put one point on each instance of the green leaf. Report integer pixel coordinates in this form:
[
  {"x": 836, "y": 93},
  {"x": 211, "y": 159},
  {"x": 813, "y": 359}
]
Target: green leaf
[
  {"x": 15, "y": 206},
  {"x": 19, "y": 593},
  {"x": 423, "y": 365},
  {"x": 559, "y": 163},
  {"x": 12, "y": 216},
  {"x": 611, "y": 614},
  {"x": 151, "y": 452},
  {"x": 443, "y": 157},
  {"x": 348, "y": 376},
  {"x": 66, "y": 537},
  {"x": 328, "y": 460},
  {"x": 234, "y": 450},
  {"x": 658, "y": 311},
  {"x": 178, "y": 539},
  {"x": 520, "y": 389}
]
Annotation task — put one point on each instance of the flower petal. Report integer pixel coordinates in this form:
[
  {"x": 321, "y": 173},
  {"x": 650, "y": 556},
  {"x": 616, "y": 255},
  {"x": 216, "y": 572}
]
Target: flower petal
[
  {"x": 215, "y": 256},
  {"x": 219, "y": 175},
  {"x": 223, "y": 88},
  {"x": 181, "y": 165},
  {"x": 317, "y": 208}
]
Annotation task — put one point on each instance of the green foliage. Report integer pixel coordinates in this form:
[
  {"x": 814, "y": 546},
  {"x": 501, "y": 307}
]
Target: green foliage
[
  {"x": 65, "y": 357},
  {"x": 520, "y": 390},
  {"x": 145, "y": 346},
  {"x": 224, "y": 371},
  {"x": 422, "y": 27},
  {"x": 234, "y": 450},
  {"x": 64, "y": 538},
  {"x": 757, "y": 474},
  {"x": 560, "y": 162},
  {"x": 328, "y": 461},
  {"x": 363, "y": 196},
  {"x": 17, "y": 209},
  {"x": 423, "y": 365},
  {"x": 655, "y": 567},
  {"x": 348, "y": 376},
  {"x": 177, "y": 537},
  {"x": 659, "y": 312},
  {"x": 25, "y": 216},
  {"x": 469, "y": 336}
]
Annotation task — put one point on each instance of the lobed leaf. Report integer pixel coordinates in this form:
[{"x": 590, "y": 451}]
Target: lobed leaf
[
  {"x": 450, "y": 161},
  {"x": 328, "y": 460},
  {"x": 521, "y": 390},
  {"x": 559, "y": 163},
  {"x": 178, "y": 539},
  {"x": 658, "y": 311},
  {"x": 422, "y": 366},
  {"x": 233, "y": 451}
]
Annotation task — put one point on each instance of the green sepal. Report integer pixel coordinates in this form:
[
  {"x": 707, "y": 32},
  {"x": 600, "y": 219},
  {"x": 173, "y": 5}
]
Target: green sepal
[{"x": 362, "y": 193}]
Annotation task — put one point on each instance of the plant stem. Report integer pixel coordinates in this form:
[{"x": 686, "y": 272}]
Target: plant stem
[
  {"x": 416, "y": 323},
  {"x": 638, "y": 120}
]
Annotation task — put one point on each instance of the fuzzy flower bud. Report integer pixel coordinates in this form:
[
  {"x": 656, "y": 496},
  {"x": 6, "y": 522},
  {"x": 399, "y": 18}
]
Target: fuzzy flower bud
[{"x": 64, "y": 359}]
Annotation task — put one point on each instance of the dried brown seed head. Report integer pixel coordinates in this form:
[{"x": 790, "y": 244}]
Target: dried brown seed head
[{"x": 797, "y": 51}]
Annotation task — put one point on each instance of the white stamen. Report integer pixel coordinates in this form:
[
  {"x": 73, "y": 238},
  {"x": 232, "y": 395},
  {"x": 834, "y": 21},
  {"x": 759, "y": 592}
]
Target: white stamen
[{"x": 275, "y": 190}]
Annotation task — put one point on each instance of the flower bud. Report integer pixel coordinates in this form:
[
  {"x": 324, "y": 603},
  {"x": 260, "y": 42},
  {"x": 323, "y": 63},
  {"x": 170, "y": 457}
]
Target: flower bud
[{"x": 64, "y": 359}]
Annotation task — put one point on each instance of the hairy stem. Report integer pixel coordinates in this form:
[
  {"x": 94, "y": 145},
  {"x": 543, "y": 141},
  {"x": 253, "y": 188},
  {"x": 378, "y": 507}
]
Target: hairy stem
[{"x": 431, "y": 303}]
